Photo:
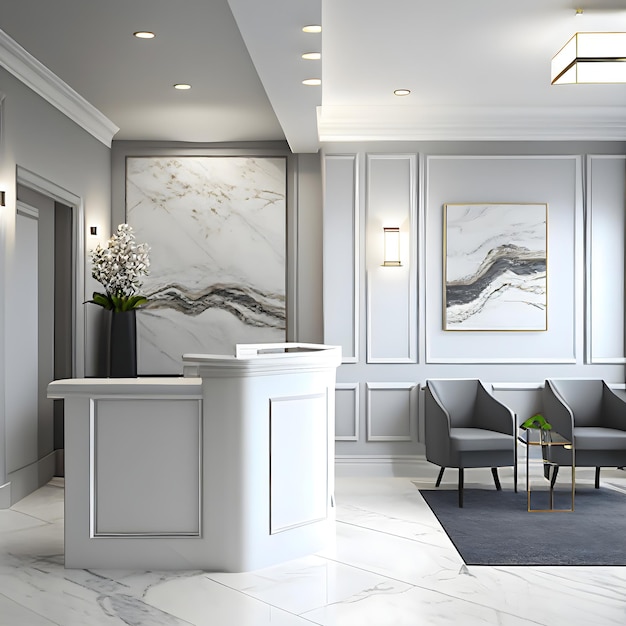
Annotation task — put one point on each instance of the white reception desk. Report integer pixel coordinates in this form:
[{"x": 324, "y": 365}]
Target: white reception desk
[{"x": 230, "y": 468}]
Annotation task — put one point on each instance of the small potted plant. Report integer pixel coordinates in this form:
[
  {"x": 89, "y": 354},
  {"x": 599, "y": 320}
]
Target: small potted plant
[
  {"x": 119, "y": 268},
  {"x": 537, "y": 421}
]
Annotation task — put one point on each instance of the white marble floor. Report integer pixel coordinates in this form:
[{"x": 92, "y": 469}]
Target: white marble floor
[{"x": 390, "y": 564}]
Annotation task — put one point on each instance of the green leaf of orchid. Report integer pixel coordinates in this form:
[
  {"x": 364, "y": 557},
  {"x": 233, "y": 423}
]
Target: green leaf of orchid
[
  {"x": 101, "y": 300},
  {"x": 134, "y": 302}
]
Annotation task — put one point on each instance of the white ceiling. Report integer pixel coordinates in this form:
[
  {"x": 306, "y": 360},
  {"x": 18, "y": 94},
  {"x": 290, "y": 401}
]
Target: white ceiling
[{"x": 477, "y": 70}]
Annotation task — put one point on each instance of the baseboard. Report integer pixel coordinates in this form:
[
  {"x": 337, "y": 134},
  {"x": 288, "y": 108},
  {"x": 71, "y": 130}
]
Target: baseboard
[
  {"x": 29, "y": 478},
  {"x": 5, "y": 496},
  {"x": 383, "y": 466}
]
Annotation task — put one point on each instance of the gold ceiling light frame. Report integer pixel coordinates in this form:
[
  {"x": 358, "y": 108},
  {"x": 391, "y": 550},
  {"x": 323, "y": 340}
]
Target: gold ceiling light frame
[{"x": 591, "y": 58}]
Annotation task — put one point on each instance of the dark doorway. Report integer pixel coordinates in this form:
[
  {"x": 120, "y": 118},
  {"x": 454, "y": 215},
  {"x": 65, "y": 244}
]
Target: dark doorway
[{"x": 55, "y": 306}]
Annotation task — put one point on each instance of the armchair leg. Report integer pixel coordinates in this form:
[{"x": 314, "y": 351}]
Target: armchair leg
[
  {"x": 496, "y": 480},
  {"x": 597, "y": 478},
  {"x": 515, "y": 476},
  {"x": 461, "y": 481},
  {"x": 441, "y": 471}
]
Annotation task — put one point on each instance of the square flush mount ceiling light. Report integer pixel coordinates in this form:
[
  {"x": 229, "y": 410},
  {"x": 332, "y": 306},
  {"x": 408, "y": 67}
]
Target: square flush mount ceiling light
[{"x": 591, "y": 58}]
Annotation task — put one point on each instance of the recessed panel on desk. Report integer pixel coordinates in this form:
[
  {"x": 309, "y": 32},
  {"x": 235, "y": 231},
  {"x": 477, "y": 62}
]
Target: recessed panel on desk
[
  {"x": 298, "y": 461},
  {"x": 145, "y": 467}
]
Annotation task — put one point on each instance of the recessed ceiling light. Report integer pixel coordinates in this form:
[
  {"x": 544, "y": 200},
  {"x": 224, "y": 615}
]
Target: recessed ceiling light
[
  {"x": 401, "y": 92},
  {"x": 312, "y": 28},
  {"x": 312, "y": 81},
  {"x": 182, "y": 86},
  {"x": 312, "y": 56},
  {"x": 144, "y": 34}
]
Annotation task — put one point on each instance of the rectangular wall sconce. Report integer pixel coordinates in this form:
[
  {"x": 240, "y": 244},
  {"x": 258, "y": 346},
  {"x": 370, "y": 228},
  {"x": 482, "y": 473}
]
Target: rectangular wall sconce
[
  {"x": 2, "y": 199},
  {"x": 591, "y": 58},
  {"x": 392, "y": 247},
  {"x": 93, "y": 231}
]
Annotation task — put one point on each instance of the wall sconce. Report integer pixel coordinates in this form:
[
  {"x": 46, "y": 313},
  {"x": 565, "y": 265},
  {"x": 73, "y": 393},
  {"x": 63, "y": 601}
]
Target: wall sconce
[
  {"x": 93, "y": 231},
  {"x": 591, "y": 58},
  {"x": 392, "y": 247},
  {"x": 2, "y": 199}
]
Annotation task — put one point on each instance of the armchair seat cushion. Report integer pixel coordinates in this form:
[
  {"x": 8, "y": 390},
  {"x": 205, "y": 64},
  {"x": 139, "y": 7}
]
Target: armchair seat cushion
[
  {"x": 478, "y": 439},
  {"x": 599, "y": 438}
]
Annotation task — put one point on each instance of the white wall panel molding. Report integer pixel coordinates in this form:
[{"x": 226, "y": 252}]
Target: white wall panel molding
[
  {"x": 557, "y": 181},
  {"x": 421, "y": 259},
  {"x": 391, "y": 410},
  {"x": 391, "y": 200},
  {"x": 51, "y": 88},
  {"x": 510, "y": 386},
  {"x": 347, "y": 411},
  {"x": 498, "y": 361},
  {"x": 605, "y": 230},
  {"x": 341, "y": 254}
]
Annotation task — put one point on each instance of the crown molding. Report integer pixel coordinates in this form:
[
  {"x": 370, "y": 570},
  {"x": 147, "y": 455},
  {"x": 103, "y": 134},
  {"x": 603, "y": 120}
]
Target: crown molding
[
  {"x": 51, "y": 88},
  {"x": 385, "y": 123}
]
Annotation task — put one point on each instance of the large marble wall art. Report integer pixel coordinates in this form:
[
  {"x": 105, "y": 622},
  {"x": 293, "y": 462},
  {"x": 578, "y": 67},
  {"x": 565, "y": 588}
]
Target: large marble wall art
[
  {"x": 495, "y": 267},
  {"x": 216, "y": 227}
]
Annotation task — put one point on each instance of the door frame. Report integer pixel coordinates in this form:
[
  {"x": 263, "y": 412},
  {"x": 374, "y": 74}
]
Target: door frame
[{"x": 75, "y": 203}]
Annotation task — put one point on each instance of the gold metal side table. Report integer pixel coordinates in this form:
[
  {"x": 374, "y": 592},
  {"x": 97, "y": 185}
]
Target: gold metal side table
[{"x": 556, "y": 451}]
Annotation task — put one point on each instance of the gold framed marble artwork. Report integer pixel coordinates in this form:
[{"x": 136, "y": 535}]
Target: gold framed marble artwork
[{"x": 495, "y": 267}]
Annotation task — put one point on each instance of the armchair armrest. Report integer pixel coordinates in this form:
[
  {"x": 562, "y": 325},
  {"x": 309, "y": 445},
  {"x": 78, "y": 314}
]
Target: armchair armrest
[
  {"x": 556, "y": 411},
  {"x": 436, "y": 427},
  {"x": 613, "y": 409},
  {"x": 491, "y": 414}
]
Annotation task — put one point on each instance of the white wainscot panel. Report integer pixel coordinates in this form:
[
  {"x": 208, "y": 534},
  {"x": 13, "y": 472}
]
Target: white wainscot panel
[
  {"x": 606, "y": 225},
  {"x": 391, "y": 409},
  {"x": 154, "y": 496},
  {"x": 347, "y": 412},
  {"x": 298, "y": 461},
  {"x": 341, "y": 254},
  {"x": 391, "y": 291},
  {"x": 556, "y": 180}
]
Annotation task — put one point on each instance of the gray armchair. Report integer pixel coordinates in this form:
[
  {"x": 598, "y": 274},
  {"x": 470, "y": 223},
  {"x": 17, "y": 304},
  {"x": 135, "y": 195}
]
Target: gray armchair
[
  {"x": 590, "y": 415},
  {"x": 467, "y": 427}
]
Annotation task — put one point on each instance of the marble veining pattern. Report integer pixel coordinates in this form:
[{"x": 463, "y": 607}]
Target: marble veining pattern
[
  {"x": 389, "y": 564},
  {"x": 496, "y": 267},
  {"x": 217, "y": 231}
]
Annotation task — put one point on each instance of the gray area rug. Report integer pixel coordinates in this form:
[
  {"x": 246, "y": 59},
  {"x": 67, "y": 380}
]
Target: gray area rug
[{"x": 494, "y": 528}]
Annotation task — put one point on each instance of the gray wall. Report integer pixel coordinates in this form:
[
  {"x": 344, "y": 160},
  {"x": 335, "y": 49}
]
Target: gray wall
[
  {"x": 35, "y": 137},
  {"x": 389, "y": 320}
]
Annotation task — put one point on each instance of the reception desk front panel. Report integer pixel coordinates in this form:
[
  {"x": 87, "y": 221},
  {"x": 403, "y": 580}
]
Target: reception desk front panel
[
  {"x": 134, "y": 443},
  {"x": 298, "y": 461}
]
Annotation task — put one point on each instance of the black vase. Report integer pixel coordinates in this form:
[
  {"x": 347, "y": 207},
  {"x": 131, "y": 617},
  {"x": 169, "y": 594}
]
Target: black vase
[{"x": 123, "y": 345}]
